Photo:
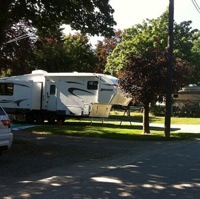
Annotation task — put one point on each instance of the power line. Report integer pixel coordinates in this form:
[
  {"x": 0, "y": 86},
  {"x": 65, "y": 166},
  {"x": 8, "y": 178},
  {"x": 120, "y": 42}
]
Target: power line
[
  {"x": 18, "y": 38},
  {"x": 196, "y": 5},
  {"x": 21, "y": 37}
]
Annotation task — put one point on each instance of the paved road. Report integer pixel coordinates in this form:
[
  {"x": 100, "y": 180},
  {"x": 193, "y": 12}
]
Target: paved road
[
  {"x": 183, "y": 128},
  {"x": 170, "y": 173},
  {"x": 123, "y": 169}
]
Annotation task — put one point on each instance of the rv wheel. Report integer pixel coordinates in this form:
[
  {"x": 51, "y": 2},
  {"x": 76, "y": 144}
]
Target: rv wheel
[
  {"x": 61, "y": 119},
  {"x": 29, "y": 118},
  {"x": 39, "y": 119},
  {"x": 51, "y": 120}
]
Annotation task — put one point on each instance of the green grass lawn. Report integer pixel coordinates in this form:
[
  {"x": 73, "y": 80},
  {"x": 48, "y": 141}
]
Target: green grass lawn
[
  {"x": 111, "y": 128},
  {"x": 137, "y": 117}
]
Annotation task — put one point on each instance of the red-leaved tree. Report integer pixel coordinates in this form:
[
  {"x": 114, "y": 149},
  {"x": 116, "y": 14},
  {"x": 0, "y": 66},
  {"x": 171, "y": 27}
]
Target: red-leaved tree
[{"x": 144, "y": 77}]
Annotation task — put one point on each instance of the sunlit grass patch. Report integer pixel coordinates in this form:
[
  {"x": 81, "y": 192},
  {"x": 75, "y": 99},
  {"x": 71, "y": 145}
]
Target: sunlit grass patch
[
  {"x": 137, "y": 117},
  {"x": 111, "y": 131}
]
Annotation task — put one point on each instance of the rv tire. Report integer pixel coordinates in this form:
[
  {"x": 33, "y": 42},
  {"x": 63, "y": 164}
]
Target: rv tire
[
  {"x": 29, "y": 118},
  {"x": 39, "y": 119},
  {"x": 51, "y": 120},
  {"x": 61, "y": 119}
]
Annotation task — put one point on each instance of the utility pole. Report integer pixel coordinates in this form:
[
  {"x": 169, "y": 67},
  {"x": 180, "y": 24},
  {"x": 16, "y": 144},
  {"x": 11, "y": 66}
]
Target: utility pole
[{"x": 169, "y": 69}]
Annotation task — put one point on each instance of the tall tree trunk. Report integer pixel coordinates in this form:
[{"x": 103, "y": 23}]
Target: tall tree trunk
[
  {"x": 146, "y": 129},
  {"x": 4, "y": 7}
]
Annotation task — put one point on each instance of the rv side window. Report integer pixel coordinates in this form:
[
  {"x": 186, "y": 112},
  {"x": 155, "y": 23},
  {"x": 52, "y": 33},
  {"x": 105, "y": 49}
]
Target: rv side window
[
  {"x": 92, "y": 85},
  {"x": 52, "y": 89},
  {"x": 6, "y": 88}
]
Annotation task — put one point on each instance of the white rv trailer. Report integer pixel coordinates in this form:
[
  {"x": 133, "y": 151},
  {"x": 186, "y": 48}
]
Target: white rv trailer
[{"x": 54, "y": 96}]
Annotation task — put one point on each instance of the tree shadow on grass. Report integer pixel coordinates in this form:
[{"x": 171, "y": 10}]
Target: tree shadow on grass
[
  {"x": 117, "y": 125},
  {"x": 113, "y": 130},
  {"x": 157, "y": 133}
]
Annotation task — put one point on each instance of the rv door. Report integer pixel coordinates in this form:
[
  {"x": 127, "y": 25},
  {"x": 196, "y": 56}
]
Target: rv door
[{"x": 51, "y": 97}]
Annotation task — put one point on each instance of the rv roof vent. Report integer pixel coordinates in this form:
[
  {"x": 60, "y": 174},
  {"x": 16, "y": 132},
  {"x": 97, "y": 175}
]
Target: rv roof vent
[{"x": 39, "y": 72}]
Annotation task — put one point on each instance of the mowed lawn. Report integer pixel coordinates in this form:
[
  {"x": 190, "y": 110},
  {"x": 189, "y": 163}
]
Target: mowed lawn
[{"x": 118, "y": 126}]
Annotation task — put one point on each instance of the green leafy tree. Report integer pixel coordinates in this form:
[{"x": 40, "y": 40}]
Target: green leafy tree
[
  {"x": 91, "y": 16},
  {"x": 141, "y": 56},
  {"x": 73, "y": 53},
  {"x": 195, "y": 59},
  {"x": 49, "y": 54},
  {"x": 82, "y": 57},
  {"x": 153, "y": 34}
]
